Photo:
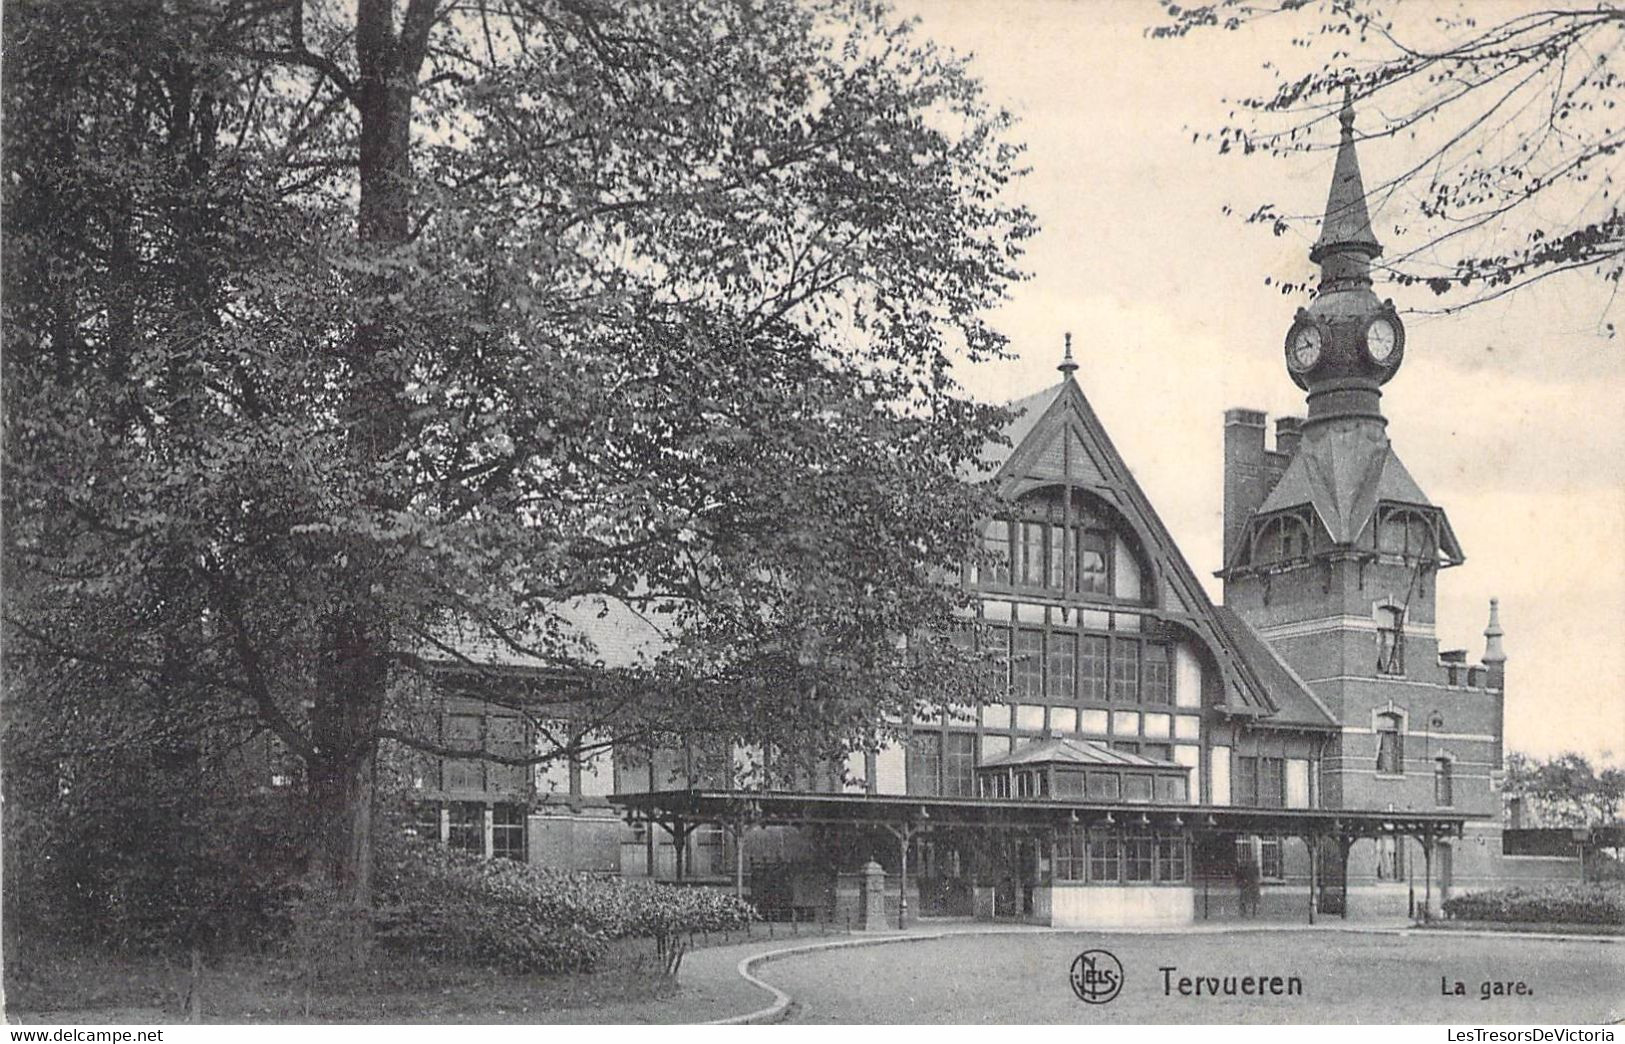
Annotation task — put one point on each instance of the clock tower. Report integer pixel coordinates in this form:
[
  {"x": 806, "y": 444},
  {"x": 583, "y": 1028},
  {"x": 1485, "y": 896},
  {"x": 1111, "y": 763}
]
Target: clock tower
[{"x": 1332, "y": 550}]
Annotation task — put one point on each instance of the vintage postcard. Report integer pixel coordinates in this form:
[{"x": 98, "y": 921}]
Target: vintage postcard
[{"x": 813, "y": 511}]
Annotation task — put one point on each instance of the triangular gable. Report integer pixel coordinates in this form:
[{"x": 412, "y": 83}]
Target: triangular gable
[{"x": 1061, "y": 416}]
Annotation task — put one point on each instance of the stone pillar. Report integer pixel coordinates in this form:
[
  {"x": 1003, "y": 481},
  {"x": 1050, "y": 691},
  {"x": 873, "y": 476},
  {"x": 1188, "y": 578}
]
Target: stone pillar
[{"x": 873, "y": 898}]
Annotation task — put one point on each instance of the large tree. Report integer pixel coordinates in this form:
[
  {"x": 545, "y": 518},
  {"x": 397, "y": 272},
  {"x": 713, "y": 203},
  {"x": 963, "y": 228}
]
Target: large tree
[
  {"x": 346, "y": 336},
  {"x": 1511, "y": 112}
]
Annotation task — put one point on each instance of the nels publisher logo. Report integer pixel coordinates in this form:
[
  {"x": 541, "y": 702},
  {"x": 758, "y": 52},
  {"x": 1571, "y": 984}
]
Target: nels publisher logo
[{"x": 1097, "y": 976}]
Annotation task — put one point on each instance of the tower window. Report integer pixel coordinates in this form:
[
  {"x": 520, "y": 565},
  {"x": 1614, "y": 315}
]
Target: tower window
[
  {"x": 1444, "y": 788},
  {"x": 1390, "y": 745},
  {"x": 1390, "y": 640}
]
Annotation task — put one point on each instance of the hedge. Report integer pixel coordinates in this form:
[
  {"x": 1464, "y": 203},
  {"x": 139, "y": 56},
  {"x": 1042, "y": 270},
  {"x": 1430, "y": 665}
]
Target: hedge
[
  {"x": 443, "y": 903},
  {"x": 1570, "y": 903}
]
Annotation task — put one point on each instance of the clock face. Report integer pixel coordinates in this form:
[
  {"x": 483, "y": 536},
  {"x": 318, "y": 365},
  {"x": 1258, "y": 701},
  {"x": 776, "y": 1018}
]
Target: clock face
[
  {"x": 1306, "y": 345},
  {"x": 1380, "y": 340}
]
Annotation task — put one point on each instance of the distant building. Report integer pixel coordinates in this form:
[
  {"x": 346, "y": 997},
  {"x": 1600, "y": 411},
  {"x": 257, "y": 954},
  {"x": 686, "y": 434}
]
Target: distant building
[{"x": 1306, "y": 748}]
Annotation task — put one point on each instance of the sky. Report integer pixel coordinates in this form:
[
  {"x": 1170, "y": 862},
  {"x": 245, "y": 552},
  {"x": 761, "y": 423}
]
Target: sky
[{"x": 1511, "y": 416}]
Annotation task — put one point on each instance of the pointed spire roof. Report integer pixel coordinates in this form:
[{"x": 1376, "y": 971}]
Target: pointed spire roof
[
  {"x": 1347, "y": 223},
  {"x": 1493, "y": 651}
]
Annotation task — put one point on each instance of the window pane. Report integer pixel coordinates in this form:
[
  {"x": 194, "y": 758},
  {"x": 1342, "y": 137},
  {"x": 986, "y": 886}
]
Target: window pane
[
  {"x": 1057, "y": 558},
  {"x": 1138, "y": 858},
  {"x": 1028, "y": 663},
  {"x": 467, "y": 826},
  {"x": 508, "y": 832},
  {"x": 1125, "y": 723},
  {"x": 1063, "y": 719},
  {"x": 924, "y": 762},
  {"x": 1104, "y": 856},
  {"x": 1030, "y": 717},
  {"x": 1271, "y": 782},
  {"x": 1125, "y": 670},
  {"x": 1093, "y": 722},
  {"x": 1092, "y": 668},
  {"x": 1136, "y": 787},
  {"x": 1091, "y": 575},
  {"x": 1062, "y": 649},
  {"x": 1245, "y": 786},
  {"x": 996, "y": 715},
  {"x": 996, "y": 543},
  {"x": 1155, "y": 685},
  {"x": 1102, "y": 786},
  {"x": 959, "y": 774},
  {"x": 1031, "y": 549}
]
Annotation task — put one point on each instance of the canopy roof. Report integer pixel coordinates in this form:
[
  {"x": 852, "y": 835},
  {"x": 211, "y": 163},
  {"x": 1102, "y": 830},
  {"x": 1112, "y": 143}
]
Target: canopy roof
[{"x": 1062, "y": 750}]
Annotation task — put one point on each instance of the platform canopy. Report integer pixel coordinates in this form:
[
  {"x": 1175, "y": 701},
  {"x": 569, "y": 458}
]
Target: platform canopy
[{"x": 792, "y": 808}]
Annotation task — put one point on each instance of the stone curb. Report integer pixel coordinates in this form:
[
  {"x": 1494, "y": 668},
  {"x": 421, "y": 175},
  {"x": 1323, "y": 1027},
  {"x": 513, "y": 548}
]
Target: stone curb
[{"x": 781, "y": 1000}]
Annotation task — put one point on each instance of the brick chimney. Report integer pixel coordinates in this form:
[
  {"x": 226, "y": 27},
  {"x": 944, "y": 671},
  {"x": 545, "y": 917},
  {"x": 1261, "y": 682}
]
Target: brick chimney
[{"x": 1250, "y": 471}]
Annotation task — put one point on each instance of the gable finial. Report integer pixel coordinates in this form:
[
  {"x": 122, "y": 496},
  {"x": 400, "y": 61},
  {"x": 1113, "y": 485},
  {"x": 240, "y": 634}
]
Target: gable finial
[{"x": 1068, "y": 365}]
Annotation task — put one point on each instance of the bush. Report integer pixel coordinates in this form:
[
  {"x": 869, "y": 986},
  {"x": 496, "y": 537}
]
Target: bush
[
  {"x": 447, "y": 904},
  {"x": 1570, "y": 903}
]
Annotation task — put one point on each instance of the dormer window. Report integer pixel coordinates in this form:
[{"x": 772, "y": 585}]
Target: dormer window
[
  {"x": 1281, "y": 540},
  {"x": 1406, "y": 533}
]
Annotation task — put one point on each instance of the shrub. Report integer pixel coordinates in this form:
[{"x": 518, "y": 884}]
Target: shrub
[
  {"x": 1568, "y": 903},
  {"x": 448, "y": 904}
]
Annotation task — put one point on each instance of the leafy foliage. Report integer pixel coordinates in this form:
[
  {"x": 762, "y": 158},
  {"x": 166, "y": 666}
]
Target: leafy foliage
[
  {"x": 1565, "y": 790},
  {"x": 1513, "y": 121},
  {"x": 443, "y": 903},
  {"x": 343, "y": 337},
  {"x": 1550, "y": 904}
]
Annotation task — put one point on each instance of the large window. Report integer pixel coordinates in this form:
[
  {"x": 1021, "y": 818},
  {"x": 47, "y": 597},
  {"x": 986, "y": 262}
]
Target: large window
[
  {"x": 1244, "y": 784},
  {"x": 1105, "y": 856},
  {"x": 996, "y": 546},
  {"x": 1390, "y": 745},
  {"x": 1071, "y": 863},
  {"x": 466, "y": 828},
  {"x": 1155, "y": 684},
  {"x": 1062, "y": 646},
  {"x": 959, "y": 764},
  {"x": 1262, "y": 852},
  {"x": 1092, "y": 574},
  {"x": 1092, "y": 667},
  {"x": 1030, "y": 553},
  {"x": 1170, "y": 860},
  {"x": 1139, "y": 858},
  {"x": 924, "y": 763},
  {"x": 1271, "y": 782},
  {"x": 508, "y": 832},
  {"x": 1028, "y": 663},
  {"x": 1125, "y": 670},
  {"x": 1444, "y": 789}
]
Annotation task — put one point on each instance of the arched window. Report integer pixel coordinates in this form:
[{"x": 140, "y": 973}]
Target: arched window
[
  {"x": 1406, "y": 533},
  {"x": 1390, "y": 640},
  {"x": 1390, "y": 745},
  {"x": 1281, "y": 540}
]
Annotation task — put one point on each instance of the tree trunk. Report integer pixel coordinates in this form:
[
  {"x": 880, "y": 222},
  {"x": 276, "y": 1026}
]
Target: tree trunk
[
  {"x": 349, "y": 700},
  {"x": 351, "y": 690}
]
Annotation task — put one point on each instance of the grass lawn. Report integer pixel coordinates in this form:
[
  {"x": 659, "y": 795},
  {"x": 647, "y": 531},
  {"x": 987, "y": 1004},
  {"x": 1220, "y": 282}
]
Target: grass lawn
[
  {"x": 82, "y": 988},
  {"x": 1346, "y": 978}
]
